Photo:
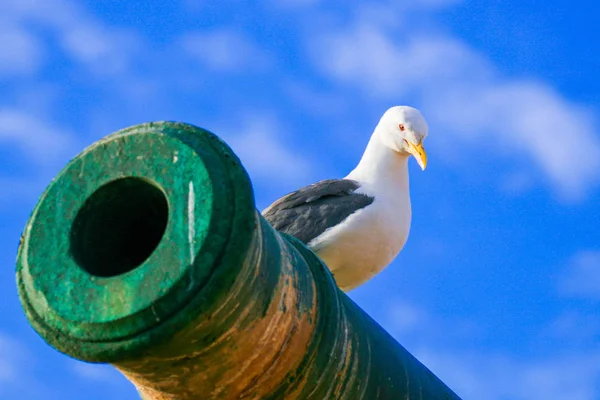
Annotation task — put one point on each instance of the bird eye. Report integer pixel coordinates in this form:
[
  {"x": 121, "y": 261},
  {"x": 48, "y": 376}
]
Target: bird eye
[{"x": 401, "y": 127}]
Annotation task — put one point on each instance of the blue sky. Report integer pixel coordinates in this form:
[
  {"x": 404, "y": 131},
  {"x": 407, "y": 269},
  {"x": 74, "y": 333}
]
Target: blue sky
[{"x": 498, "y": 287}]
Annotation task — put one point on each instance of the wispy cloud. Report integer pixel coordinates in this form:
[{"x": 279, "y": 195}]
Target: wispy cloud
[
  {"x": 407, "y": 318},
  {"x": 264, "y": 153},
  {"x": 16, "y": 369},
  {"x": 464, "y": 96},
  {"x": 316, "y": 102},
  {"x": 83, "y": 38},
  {"x": 416, "y": 325},
  {"x": 21, "y": 53},
  {"x": 532, "y": 120},
  {"x": 448, "y": 347},
  {"x": 498, "y": 376},
  {"x": 35, "y": 143},
  {"x": 9, "y": 359},
  {"x": 574, "y": 328},
  {"x": 367, "y": 56},
  {"x": 103, "y": 52},
  {"x": 582, "y": 278},
  {"x": 39, "y": 141},
  {"x": 224, "y": 50}
]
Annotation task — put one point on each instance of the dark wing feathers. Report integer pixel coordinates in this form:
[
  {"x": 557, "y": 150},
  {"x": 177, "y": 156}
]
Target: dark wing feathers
[{"x": 309, "y": 211}]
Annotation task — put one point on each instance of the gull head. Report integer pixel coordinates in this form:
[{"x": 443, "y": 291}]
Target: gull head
[{"x": 403, "y": 130}]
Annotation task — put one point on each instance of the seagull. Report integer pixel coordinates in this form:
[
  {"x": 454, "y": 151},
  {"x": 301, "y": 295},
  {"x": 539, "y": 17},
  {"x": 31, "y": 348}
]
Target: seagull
[{"x": 358, "y": 224}]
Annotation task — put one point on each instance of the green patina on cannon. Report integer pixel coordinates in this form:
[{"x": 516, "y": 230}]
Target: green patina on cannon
[{"x": 147, "y": 252}]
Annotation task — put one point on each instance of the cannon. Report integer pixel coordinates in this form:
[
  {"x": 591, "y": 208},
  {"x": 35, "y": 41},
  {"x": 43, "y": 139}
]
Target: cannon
[{"x": 147, "y": 252}]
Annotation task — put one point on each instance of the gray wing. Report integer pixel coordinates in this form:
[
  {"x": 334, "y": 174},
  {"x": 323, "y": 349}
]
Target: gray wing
[{"x": 309, "y": 211}]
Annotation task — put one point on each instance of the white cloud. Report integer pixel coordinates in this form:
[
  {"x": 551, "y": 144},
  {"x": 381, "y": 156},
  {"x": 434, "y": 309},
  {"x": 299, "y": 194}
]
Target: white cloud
[
  {"x": 224, "y": 50},
  {"x": 316, "y": 102},
  {"x": 503, "y": 377},
  {"x": 21, "y": 53},
  {"x": 481, "y": 373},
  {"x": 263, "y": 152},
  {"x": 103, "y": 51},
  {"x": 464, "y": 97},
  {"x": 583, "y": 276},
  {"x": 38, "y": 144},
  {"x": 404, "y": 318},
  {"x": 84, "y": 39},
  {"x": 416, "y": 325},
  {"x": 16, "y": 367},
  {"x": 9, "y": 363},
  {"x": 41, "y": 142},
  {"x": 574, "y": 328},
  {"x": 529, "y": 119},
  {"x": 366, "y": 56}
]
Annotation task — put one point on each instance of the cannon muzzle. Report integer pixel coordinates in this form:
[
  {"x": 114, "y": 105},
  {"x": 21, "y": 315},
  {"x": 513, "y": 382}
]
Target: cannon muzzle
[{"x": 147, "y": 252}]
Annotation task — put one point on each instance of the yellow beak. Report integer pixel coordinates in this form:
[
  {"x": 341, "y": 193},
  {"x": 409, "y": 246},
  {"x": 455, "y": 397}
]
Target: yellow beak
[{"x": 418, "y": 151}]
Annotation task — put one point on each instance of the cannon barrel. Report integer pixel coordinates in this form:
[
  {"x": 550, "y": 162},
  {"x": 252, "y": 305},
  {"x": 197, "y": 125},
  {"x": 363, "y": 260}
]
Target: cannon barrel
[{"x": 147, "y": 252}]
